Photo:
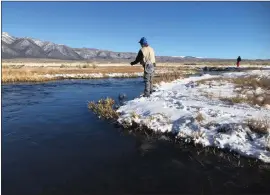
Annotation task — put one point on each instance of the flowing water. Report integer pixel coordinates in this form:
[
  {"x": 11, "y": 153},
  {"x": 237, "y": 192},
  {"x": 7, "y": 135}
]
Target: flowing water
[{"x": 52, "y": 144}]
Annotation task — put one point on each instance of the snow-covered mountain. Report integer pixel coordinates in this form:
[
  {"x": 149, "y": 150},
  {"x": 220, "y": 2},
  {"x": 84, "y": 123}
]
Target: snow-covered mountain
[
  {"x": 6, "y": 38},
  {"x": 15, "y": 47}
]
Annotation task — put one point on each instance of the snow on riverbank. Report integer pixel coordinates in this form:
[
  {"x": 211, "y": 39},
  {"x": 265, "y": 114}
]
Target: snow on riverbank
[
  {"x": 106, "y": 75},
  {"x": 93, "y": 75},
  {"x": 176, "y": 106}
]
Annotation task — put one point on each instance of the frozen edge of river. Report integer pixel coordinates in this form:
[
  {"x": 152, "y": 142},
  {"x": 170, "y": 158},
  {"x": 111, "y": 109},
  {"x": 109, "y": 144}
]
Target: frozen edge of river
[{"x": 174, "y": 106}]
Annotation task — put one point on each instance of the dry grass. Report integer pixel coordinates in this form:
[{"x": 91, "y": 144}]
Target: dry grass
[
  {"x": 20, "y": 73},
  {"x": 168, "y": 77},
  {"x": 104, "y": 108},
  {"x": 252, "y": 82},
  {"x": 35, "y": 74},
  {"x": 207, "y": 81},
  {"x": 234, "y": 100},
  {"x": 243, "y": 85},
  {"x": 134, "y": 115},
  {"x": 268, "y": 143},
  {"x": 121, "y": 62},
  {"x": 259, "y": 126},
  {"x": 199, "y": 117},
  {"x": 244, "y": 82}
]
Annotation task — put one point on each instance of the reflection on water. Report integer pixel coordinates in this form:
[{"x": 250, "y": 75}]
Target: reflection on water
[{"x": 52, "y": 144}]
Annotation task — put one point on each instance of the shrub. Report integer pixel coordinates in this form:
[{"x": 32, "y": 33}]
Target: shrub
[
  {"x": 104, "y": 108},
  {"x": 234, "y": 100},
  {"x": 259, "y": 126},
  {"x": 86, "y": 66},
  {"x": 199, "y": 117},
  {"x": 94, "y": 65}
]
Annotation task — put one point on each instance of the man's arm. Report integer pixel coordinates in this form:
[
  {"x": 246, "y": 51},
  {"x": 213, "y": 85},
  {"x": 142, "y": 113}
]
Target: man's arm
[{"x": 138, "y": 59}]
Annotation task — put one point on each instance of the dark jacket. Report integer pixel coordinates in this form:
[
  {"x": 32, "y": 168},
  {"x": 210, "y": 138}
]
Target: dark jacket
[
  {"x": 138, "y": 59},
  {"x": 238, "y": 59}
]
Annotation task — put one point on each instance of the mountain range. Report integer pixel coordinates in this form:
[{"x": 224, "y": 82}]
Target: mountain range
[{"x": 15, "y": 47}]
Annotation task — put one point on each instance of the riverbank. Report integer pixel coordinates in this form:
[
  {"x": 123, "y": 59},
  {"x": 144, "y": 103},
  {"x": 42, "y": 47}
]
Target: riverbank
[{"x": 182, "y": 109}]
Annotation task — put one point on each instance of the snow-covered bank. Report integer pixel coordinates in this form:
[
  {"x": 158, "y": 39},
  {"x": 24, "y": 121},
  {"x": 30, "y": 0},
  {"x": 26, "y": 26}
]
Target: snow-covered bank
[
  {"x": 107, "y": 75},
  {"x": 93, "y": 75},
  {"x": 176, "y": 106}
]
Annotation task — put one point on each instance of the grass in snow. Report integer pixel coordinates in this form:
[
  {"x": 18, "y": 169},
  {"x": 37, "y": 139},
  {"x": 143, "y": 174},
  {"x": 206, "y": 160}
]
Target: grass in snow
[
  {"x": 259, "y": 126},
  {"x": 243, "y": 85},
  {"x": 252, "y": 82},
  {"x": 199, "y": 117},
  {"x": 234, "y": 100}
]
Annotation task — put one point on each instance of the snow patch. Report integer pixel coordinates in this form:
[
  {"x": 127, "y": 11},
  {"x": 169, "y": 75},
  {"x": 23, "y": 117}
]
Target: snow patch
[
  {"x": 93, "y": 75},
  {"x": 7, "y": 38},
  {"x": 173, "y": 107}
]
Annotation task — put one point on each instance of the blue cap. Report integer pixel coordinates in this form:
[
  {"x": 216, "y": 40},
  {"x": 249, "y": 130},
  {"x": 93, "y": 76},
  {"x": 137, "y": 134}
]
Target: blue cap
[{"x": 143, "y": 41}]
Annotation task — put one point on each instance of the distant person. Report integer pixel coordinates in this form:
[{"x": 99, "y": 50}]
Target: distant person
[
  {"x": 146, "y": 57},
  {"x": 238, "y": 61}
]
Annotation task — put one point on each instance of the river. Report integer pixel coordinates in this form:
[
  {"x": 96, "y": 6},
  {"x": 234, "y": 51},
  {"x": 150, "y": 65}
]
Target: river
[{"x": 52, "y": 144}]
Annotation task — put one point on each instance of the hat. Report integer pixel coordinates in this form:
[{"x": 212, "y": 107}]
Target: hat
[{"x": 143, "y": 41}]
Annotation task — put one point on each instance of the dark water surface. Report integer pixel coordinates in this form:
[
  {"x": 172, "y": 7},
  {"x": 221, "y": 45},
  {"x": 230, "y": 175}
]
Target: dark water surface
[{"x": 52, "y": 144}]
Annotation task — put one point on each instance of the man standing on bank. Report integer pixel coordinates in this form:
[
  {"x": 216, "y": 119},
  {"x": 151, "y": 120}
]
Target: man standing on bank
[{"x": 146, "y": 57}]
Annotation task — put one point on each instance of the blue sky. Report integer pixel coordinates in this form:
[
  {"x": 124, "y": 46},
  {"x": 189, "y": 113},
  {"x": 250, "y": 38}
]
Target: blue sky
[{"x": 202, "y": 29}]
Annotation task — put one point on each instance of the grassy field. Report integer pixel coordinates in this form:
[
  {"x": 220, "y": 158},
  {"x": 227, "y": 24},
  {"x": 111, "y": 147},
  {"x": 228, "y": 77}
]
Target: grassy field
[
  {"x": 91, "y": 63},
  {"x": 40, "y": 74},
  {"x": 39, "y": 70},
  {"x": 37, "y": 74}
]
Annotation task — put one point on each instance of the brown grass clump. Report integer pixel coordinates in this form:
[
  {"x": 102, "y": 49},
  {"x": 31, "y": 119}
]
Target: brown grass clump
[
  {"x": 63, "y": 66},
  {"x": 104, "y": 108},
  {"x": 259, "y": 126},
  {"x": 167, "y": 77},
  {"x": 94, "y": 65},
  {"x": 234, "y": 100},
  {"x": 199, "y": 117},
  {"x": 134, "y": 115},
  {"x": 252, "y": 82},
  {"x": 86, "y": 66}
]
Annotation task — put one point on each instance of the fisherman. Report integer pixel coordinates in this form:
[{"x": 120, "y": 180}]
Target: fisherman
[
  {"x": 238, "y": 61},
  {"x": 146, "y": 57}
]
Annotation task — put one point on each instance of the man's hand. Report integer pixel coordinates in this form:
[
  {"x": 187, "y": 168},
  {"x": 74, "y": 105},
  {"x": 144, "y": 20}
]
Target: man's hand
[{"x": 132, "y": 63}]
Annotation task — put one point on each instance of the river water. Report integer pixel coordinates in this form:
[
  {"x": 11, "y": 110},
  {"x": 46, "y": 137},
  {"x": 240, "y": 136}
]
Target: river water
[{"x": 52, "y": 144}]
